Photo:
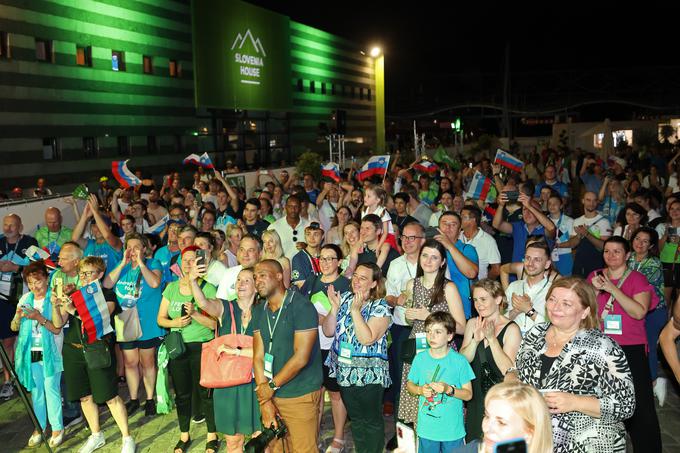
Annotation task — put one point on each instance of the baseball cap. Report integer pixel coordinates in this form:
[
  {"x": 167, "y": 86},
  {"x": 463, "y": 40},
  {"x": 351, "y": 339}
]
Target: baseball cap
[
  {"x": 314, "y": 226},
  {"x": 103, "y": 178}
]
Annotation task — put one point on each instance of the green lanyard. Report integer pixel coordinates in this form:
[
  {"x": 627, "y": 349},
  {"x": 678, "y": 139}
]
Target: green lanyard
[{"x": 269, "y": 326}]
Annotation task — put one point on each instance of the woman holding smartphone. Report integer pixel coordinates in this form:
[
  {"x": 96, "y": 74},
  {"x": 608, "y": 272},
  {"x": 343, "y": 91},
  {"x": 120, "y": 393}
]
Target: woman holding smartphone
[
  {"x": 179, "y": 312},
  {"x": 669, "y": 237}
]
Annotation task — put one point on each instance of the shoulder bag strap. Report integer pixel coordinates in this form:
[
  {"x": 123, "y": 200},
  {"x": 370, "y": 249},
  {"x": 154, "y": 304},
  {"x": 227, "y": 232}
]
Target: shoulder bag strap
[{"x": 233, "y": 321}]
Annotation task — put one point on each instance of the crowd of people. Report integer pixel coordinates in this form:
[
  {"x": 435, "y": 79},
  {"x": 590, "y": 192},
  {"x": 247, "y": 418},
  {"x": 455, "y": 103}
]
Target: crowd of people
[{"x": 536, "y": 315}]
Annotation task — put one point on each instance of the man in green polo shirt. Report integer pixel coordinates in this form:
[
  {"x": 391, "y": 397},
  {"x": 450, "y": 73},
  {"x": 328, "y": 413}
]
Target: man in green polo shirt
[
  {"x": 53, "y": 235},
  {"x": 286, "y": 360}
]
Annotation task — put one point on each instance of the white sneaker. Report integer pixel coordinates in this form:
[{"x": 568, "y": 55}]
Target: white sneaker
[
  {"x": 128, "y": 445},
  {"x": 660, "y": 390},
  {"x": 94, "y": 442}
]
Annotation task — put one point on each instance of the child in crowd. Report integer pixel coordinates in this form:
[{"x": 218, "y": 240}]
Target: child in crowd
[
  {"x": 442, "y": 378},
  {"x": 375, "y": 199}
]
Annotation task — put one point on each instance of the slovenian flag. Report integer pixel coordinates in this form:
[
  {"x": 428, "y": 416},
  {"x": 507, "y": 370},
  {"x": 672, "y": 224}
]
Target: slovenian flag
[
  {"x": 489, "y": 213},
  {"x": 202, "y": 161},
  {"x": 123, "y": 175},
  {"x": 426, "y": 166},
  {"x": 159, "y": 226},
  {"x": 331, "y": 170},
  {"x": 34, "y": 253},
  {"x": 375, "y": 166},
  {"x": 480, "y": 186},
  {"x": 94, "y": 313},
  {"x": 507, "y": 160}
]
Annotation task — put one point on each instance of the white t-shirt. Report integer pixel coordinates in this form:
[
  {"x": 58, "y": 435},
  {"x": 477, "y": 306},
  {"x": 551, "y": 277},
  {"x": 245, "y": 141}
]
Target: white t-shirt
[
  {"x": 537, "y": 295},
  {"x": 598, "y": 226},
  {"x": 564, "y": 226},
  {"x": 216, "y": 272},
  {"x": 398, "y": 275},
  {"x": 227, "y": 287},
  {"x": 327, "y": 214},
  {"x": 487, "y": 251},
  {"x": 673, "y": 183}
]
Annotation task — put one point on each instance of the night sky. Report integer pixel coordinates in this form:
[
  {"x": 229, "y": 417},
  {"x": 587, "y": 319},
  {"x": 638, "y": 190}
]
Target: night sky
[{"x": 437, "y": 53}]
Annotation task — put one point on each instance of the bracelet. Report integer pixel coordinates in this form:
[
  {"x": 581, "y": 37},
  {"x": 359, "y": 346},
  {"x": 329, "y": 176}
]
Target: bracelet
[{"x": 512, "y": 369}]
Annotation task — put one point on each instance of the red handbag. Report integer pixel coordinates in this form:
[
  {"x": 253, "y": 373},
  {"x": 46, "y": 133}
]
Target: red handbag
[{"x": 223, "y": 370}]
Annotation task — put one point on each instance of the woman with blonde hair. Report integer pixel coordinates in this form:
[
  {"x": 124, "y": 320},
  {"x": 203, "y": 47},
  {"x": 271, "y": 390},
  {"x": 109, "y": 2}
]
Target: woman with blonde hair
[
  {"x": 583, "y": 374},
  {"x": 273, "y": 250},
  {"x": 514, "y": 411},
  {"x": 350, "y": 239},
  {"x": 490, "y": 345},
  {"x": 234, "y": 234}
]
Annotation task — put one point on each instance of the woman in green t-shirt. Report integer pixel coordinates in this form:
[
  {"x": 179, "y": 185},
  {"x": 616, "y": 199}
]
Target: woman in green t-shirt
[
  {"x": 669, "y": 237},
  {"x": 179, "y": 312}
]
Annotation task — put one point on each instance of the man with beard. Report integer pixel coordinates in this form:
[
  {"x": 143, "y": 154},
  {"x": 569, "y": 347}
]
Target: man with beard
[
  {"x": 155, "y": 210},
  {"x": 526, "y": 297},
  {"x": 286, "y": 360}
]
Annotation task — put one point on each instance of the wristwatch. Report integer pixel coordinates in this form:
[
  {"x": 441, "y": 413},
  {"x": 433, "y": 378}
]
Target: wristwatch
[
  {"x": 531, "y": 312},
  {"x": 273, "y": 386},
  {"x": 453, "y": 391}
]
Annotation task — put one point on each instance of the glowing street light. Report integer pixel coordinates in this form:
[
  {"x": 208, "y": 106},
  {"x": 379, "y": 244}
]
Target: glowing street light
[{"x": 376, "y": 51}]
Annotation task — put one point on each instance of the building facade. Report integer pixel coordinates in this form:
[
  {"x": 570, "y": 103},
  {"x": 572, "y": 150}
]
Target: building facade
[{"x": 84, "y": 83}]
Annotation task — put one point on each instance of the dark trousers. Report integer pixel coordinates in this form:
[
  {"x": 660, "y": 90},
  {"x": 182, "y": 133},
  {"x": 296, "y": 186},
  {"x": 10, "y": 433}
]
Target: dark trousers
[
  {"x": 364, "y": 406},
  {"x": 643, "y": 426},
  {"x": 186, "y": 374},
  {"x": 399, "y": 334}
]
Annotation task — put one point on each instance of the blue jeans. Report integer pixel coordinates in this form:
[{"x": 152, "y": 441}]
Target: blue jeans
[
  {"x": 654, "y": 321},
  {"x": 46, "y": 397},
  {"x": 436, "y": 446}
]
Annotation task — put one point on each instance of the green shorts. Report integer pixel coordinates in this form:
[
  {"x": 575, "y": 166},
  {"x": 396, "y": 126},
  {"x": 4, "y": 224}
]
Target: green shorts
[{"x": 80, "y": 381}]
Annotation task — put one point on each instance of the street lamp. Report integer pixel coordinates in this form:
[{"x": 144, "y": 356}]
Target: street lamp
[{"x": 379, "y": 70}]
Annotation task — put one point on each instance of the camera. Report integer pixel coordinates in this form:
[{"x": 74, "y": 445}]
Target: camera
[
  {"x": 259, "y": 444},
  {"x": 513, "y": 195}
]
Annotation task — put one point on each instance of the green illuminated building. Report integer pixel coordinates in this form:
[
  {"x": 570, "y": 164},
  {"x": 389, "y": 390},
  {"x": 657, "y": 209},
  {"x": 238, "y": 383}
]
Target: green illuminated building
[{"x": 87, "y": 82}]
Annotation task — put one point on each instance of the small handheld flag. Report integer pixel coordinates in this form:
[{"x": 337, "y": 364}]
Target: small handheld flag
[
  {"x": 202, "y": 161},
  {"x": 507, "y": 160},
  {"x": 91, "y": 306},
  {"x": 123, "y": 175},
  {"x": 375, "y": 166},
  {"x": 426, "y": 166},
  {"x": 331, "y": 170},
  {"x": 81, "y": 192},
  {"x": 159, "y": 226},
  {"x": 479, "y": 188}
]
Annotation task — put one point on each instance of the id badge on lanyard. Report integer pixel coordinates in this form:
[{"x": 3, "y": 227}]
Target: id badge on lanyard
[{"x": 613, "y": 325}]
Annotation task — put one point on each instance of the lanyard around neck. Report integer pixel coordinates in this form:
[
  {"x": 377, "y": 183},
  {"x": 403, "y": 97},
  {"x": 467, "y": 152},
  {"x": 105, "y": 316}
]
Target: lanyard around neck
[{"x": 276, "y": 322}]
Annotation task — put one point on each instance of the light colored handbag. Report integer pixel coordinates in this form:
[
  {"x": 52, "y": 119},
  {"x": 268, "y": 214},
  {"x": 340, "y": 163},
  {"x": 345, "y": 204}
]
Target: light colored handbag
[{"x": 127, "y": 325}]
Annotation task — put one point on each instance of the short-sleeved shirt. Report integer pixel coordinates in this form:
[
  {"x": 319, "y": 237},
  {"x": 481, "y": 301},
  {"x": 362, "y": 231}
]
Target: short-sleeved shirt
[
  {"x": 487, "y": 250},
  {"x": 104, "y": 250},
  {"x": 289, "y": 236},
  {"x": 564, "y": 225},
  {"x": 369, "y": 256},
  {"x": 558, "y": 186},
  {"x": 633, "y": 330},
  {"x": 398, "y": 275},
  {"x": 520, "y": 233},
  {"x": 147, "y": 299},
  {"x": 194, "y": 332},
  {"x": 441, "y": 419},
  {"x": 164, "y": 256},
  {"x": 537, "y": 293},
  {"x": 456, "y": 276},
  {"x": 257, "y": 228},
  {"x": 52, "y": 241},
  {"x": 296, "y": 314},
  {"x": 317, "y": 291},
  {"x": 304, "y": 266},
  {"x": 75, "y": 325},
  {"x": 369, "y": 364}
]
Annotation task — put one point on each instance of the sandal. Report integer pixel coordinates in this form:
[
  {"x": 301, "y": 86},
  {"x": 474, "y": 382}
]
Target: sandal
[
  {"x": 213, "y": 445},
  {"x": 182, "y": 445},
  {"x": 332, "y": 449}
]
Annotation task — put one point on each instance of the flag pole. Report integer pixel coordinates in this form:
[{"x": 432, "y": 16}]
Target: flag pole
[{"x": 387, "y": 169}]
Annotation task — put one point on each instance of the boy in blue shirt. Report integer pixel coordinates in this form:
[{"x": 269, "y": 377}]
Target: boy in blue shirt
[{"x": 442, "y": 378}]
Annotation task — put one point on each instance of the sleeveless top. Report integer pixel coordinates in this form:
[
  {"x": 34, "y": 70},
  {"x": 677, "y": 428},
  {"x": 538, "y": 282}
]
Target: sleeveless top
[{"x": 421, "y": 298}]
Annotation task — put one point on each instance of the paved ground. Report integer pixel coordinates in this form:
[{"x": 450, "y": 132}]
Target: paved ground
[{"x": 160, "y": 433}]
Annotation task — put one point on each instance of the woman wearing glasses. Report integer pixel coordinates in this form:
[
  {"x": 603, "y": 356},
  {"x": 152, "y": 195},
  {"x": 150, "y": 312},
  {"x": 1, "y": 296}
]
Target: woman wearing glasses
[
  {"x": 316, "y": 288},
  {"x": 91, "y": 386}
]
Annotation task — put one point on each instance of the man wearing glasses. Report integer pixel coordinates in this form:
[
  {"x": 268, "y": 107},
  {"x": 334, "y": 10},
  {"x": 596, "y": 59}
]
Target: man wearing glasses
[
  {"x": 306, "y": 262},
  {"x": 291, "y": 227},
  {"x": 526, "y": 297}
]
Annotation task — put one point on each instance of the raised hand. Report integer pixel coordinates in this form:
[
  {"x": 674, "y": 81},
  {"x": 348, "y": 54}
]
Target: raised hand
[
  {"x": 334, "y": 297},
  {"x": 478, "y": 332}
]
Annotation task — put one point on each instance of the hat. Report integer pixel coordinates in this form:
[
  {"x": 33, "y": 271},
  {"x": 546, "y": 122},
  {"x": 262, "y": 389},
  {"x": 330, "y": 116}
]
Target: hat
[
  {"x": 314, "y": 226},
  {"x": 103, "y": 179},
  {"x": 618, "y": 160}
]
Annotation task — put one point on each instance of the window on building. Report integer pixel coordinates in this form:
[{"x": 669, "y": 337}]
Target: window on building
[
  {"x": 178, "y": 144},
  {"x": 118, "y": 60},
  {"x": 4, "y": 45},
  {"x": 44, "y": 50},
  {"x": 51, "y": 150},
  {"x": 323, "y": 88},
  {"x": 333, "y": 89},
  {"x": 312, "y": 87},
  {"x": 90, "y": 146},
  {"x": 148, "y": 64},
  {"x": 123, "y": 146},
  {"x": 151, "y": 144},
  {"x": 361, "y": 93},
  {"x": 173, "y": 68},
  {"x": 300, "y": 86},
  {"x": 368, "y": 93},
  {"x": 84, "y": 56}
]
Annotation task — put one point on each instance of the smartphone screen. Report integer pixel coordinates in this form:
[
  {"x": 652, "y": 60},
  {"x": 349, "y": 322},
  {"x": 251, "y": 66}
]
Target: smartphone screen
[
  {"x": 183, "y": 312},
  {"x": 511, "y": 446}
]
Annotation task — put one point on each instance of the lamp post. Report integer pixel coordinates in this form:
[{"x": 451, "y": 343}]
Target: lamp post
[{"x": 379, "y": 71}]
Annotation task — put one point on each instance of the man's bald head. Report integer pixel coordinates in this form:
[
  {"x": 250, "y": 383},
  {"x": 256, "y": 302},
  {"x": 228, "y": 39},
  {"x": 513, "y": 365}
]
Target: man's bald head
[
  {"x": 53, "y": 219},
  {"x": 268, "y": 278}
]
